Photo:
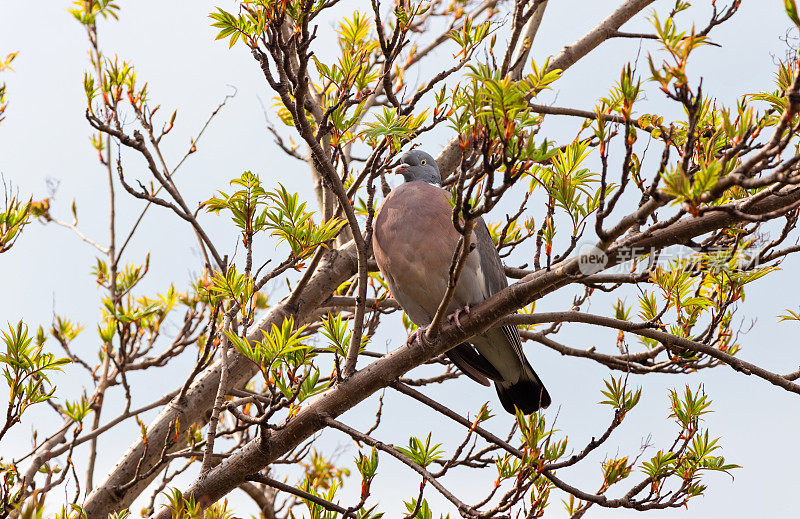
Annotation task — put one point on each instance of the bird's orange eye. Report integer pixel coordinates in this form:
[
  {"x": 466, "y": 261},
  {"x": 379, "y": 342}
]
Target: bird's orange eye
[{"x": 423, "y": 162}]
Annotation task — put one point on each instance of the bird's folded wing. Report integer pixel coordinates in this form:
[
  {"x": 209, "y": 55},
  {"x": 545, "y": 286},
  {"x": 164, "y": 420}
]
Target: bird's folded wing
[
  {"x": 494, "y": 277},
  {"x": 473, "y": 364}
]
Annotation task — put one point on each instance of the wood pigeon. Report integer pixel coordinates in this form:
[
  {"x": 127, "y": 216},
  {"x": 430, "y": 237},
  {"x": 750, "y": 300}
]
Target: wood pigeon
[{"x": 414, "y": 241}]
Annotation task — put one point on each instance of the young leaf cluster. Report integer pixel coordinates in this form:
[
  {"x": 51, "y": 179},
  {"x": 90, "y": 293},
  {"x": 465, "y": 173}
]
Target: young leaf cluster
[
  {"x": 5, "y": 64},
  {"x": 13, "y": 218},
  {"x": 26, "y": 367},
  {"x": 422, "y": 453}
]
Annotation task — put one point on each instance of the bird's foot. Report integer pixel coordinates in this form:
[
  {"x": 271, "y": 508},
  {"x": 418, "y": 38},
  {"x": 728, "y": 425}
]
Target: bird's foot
[
  {"x": 418, "y": 335},
  {"x": 454, "y": 317}
]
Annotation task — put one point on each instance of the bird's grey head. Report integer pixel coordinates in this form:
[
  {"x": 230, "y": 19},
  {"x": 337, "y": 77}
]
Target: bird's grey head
[{"x": 418, "y": 165}]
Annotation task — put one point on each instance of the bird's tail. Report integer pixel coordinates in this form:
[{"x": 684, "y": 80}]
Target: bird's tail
[{"x": 527, "y": 394}]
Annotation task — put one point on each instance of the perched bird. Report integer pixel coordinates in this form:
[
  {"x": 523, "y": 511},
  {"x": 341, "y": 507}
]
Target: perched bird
[{"x": 414, "y": 241}]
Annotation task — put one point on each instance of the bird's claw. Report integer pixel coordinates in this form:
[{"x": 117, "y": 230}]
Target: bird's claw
[
  {"x": 454, "y": 317},
  {"x": 418, "y": 335}
]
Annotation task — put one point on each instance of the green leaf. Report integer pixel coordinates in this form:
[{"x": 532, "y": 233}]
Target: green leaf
[
  {"x": 424, "y": 509},
  {"x": 615, "y": 470},
  {"x": 77, "y": 410},
  {"x": 422, "y": 453},
  {"x": 617, "y": 395},
  {"x": 791, "y": 11}
]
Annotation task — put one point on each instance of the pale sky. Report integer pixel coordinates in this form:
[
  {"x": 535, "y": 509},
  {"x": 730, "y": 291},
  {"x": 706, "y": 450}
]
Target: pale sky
[{"x": 45, "y": 136}]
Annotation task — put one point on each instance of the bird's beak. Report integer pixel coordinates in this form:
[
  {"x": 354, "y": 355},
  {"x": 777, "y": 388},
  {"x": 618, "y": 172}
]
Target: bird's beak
[{"x": 398, "y": 170}]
